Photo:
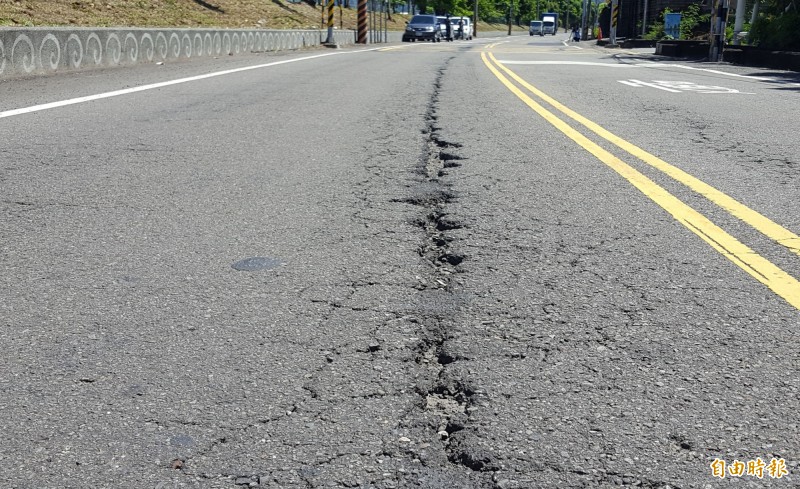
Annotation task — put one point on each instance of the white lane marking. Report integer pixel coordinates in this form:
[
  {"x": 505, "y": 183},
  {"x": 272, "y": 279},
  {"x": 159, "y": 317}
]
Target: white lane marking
[
  {"x": 681, "y": 86},
  {"x": 566, "y": 44},
  {"x": 652, "y": 65},
  {"x": 639, "y": 83},
  {"x": 629, "y": 83},
  {"x": 116, "y": 93},
  {"x": 694, "y": 87}
]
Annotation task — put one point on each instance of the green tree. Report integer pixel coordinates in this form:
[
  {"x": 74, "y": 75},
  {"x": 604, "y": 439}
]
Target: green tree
[
  {"x": 777, "y": 26},
  {"x": 692, "y": 24}
]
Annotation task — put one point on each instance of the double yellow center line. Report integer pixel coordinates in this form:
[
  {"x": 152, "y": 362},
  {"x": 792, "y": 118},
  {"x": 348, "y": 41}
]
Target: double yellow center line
[{"x": 737, "y": 252}]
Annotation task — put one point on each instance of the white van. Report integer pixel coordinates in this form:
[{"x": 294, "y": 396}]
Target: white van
[
  {"x": 467, "y": 26},
  {"x": 537, "y": 27},
  {"x": 467, "y": 23}
]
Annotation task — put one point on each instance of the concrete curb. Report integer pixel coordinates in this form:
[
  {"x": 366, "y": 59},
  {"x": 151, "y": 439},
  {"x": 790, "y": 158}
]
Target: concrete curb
[{"x": 43, "y": 50}]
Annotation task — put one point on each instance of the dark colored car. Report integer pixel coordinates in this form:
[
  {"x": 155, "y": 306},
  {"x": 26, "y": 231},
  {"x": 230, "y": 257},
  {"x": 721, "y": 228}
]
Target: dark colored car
[{"x": 423, "y": 28}]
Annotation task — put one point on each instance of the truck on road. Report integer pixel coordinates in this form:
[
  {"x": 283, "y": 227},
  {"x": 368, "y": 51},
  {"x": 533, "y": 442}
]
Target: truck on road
[{"x": 550, "y": 23}]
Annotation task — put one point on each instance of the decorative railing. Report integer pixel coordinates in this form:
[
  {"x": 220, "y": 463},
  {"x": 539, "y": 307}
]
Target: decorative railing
[{"x": 27, "y": 51}]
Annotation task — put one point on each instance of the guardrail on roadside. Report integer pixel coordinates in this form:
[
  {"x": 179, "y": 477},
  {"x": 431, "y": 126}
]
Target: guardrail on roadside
[{"x": 43, "y": 50}]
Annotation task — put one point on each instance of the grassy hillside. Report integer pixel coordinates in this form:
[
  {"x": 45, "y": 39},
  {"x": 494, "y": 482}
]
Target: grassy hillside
[
  {"x": 267, "y": 14},
  {"x": 273, "y": 14}
]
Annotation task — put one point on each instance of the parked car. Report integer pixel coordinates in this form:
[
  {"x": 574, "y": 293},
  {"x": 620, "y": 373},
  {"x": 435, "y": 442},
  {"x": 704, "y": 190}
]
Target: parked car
[
  {"x": 536, "y": 27},
  {"x": 423, "y": 28}
]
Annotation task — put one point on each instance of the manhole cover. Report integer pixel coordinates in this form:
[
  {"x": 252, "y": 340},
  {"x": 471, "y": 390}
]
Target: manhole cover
[{"x": 256, "y": 263}]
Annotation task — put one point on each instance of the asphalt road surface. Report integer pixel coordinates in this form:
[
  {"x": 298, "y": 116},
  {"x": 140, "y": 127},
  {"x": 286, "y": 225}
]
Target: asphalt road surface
[{"x": 505, "y": 263}]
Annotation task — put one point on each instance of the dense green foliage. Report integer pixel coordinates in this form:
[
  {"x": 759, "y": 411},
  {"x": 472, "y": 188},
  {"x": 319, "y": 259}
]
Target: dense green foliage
[
  {"x": 693, "y": 24},
  {"x": 777, "y": 26}
]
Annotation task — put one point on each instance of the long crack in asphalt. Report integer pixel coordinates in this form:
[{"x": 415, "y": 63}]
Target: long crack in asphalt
[
  {"x": 447, "y": 395},
  {"x": 429, "y": 439}
]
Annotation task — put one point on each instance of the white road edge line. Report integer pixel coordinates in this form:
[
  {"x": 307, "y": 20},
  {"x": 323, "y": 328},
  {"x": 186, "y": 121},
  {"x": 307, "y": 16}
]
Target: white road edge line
[{"x": 116, "y": 93}]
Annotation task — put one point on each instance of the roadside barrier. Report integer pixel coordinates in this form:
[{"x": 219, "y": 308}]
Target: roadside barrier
[{"x": 44, "y": 50}]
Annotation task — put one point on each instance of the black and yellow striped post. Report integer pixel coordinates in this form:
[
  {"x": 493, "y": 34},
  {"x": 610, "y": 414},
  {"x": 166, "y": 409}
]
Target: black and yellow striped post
[
  {"x": 330, "y": 40},
  {"x": 612, "y": 36},
  {"x": 362, "y": 21}
]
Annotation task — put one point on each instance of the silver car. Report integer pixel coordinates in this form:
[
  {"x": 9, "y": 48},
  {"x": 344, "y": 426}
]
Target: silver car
[{"x": 423, "y": 28}]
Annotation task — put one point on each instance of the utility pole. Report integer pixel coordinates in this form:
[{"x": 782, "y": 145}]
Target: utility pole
[
  {"x": 753, "y": 20},
  {"x": 719, "y": 21},
  {"x": 475, "y": 21},
  {"x": 737, "y": 26},
  {"x": 584, "y": 19},
  {"x": 644, "y": 19},
  {"x": 510, "y": 11}
]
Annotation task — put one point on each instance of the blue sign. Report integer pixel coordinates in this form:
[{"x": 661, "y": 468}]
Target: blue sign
[{"x": 672, "y": 25}]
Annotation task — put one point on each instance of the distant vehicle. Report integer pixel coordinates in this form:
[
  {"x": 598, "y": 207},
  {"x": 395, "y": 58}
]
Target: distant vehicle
[
  {"x": 536, "y": 27},
  {"x": 550, "y": 23},
  {"x": 443, "y": 26},
  {"x": 423, "y": 28},
  {"x": 467, "y": 25}
]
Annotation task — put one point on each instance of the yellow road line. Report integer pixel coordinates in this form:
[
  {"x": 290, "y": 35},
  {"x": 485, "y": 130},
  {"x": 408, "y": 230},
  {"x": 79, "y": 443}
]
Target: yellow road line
[
  {"x": 758, "y": 221},
  {"x": 737, "y": 252}
]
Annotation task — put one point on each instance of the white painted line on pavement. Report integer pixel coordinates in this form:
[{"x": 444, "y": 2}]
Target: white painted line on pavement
[
  {"x": 682, "y": 86},
  {"x": 639, "y": 83},
  {"x": 116, "y": 93},
  {"x": 650, "y": 64}
]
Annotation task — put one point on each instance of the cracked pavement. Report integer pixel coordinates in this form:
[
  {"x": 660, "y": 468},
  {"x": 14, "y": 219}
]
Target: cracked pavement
[{"x": 457, "y": 295}]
